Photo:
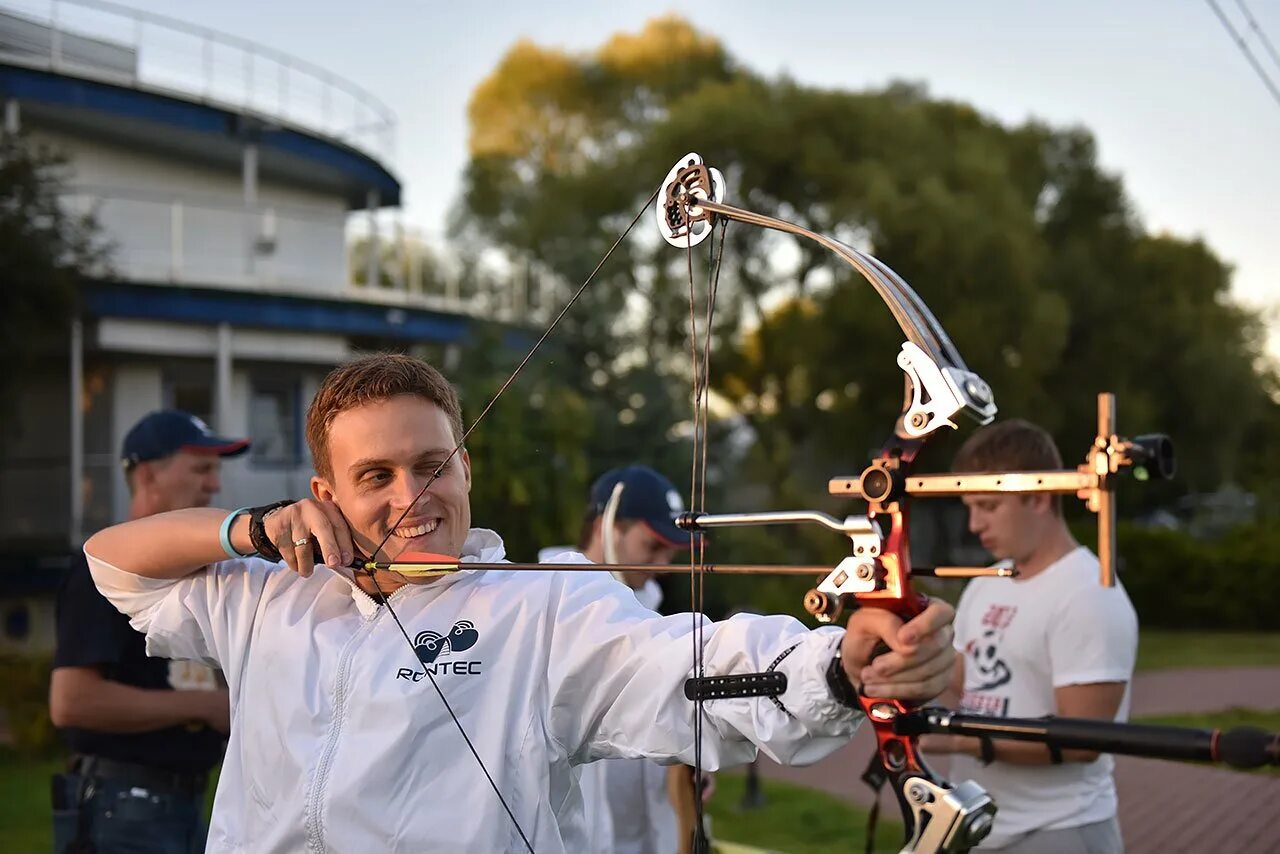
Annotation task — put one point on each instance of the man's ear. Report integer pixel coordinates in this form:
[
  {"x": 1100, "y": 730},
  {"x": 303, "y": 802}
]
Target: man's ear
[
  {"x": 466, "y": 466},
  {"x": 1040, "y": 502},
  {"x": 321, "y": 489},
  {"x": 144, "y": 475}
]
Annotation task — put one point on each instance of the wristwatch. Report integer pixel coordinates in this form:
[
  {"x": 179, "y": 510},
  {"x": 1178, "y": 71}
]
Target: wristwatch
[
  {"x": 838, "y": 681},
  {"x": 258, "y": 533}
]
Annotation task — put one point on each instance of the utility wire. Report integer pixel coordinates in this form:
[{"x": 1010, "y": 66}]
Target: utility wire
[
  {"x": 1244, "y": 48},
  {"x": 1262, "y": 37}
]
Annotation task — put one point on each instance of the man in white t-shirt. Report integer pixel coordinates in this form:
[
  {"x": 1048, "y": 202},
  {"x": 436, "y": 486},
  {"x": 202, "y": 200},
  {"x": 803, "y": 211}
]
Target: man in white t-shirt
[{"x": 1053, "y": 641}]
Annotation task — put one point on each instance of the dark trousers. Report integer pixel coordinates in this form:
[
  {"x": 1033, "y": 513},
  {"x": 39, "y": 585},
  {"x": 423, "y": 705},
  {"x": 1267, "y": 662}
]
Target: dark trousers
[{"x": 111, "y": 816}]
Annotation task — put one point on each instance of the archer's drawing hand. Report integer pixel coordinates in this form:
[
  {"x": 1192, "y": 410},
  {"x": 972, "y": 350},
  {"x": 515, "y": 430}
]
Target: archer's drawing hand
[
  {"x": 920, "y": 660},
  {"x": 308, "y": 525}
]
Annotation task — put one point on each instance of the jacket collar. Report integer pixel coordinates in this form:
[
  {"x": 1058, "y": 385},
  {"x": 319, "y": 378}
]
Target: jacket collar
[{"x": 481, "y": 546}]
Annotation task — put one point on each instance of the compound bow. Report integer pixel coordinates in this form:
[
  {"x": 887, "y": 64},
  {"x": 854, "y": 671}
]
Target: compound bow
[{"x": 939, "y": 816}]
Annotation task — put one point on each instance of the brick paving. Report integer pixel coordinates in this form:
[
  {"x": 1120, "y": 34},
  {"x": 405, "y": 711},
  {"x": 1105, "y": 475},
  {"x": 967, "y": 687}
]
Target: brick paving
[{"x": 1165, "y": 807}]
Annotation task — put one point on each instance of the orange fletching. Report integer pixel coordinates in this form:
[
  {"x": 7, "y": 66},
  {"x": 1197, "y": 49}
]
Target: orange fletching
[{"x": 424, "y": 557}]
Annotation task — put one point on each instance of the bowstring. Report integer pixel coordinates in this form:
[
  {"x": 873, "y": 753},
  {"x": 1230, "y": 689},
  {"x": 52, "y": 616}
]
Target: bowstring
[
  {"x": 382, "y": 597},
  {"x": 698, "y": 498},
  {"x": 695, "y": 603}
]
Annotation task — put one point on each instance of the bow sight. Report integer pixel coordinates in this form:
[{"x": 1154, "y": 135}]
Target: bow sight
[{"x": 884, "y": 484}]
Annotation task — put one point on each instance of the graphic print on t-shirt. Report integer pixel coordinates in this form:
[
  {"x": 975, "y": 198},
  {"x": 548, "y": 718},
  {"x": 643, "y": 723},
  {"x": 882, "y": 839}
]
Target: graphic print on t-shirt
[
  {"x": 987, "y": 665},
  {"x": 191, "y": 676}
]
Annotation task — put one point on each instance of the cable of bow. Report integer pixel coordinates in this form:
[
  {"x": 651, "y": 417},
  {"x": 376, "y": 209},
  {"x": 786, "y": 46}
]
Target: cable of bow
[
  {"x": 700, "y": 359},
  {"x": 371, "y": 571}
]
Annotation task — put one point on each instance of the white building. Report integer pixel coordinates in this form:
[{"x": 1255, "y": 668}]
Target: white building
[{"x": 224, "y": 174}]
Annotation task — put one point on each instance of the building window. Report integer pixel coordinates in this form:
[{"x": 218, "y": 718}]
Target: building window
[
  {"x": 191, "y": 392},
  {"x": 275, "y": 423}
]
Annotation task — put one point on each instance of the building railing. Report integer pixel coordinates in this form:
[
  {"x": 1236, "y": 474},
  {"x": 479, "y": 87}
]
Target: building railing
[
  {"x": 215, "y": 241},
  {"x": 112, "y": 43},
  {"x": 412, "y": 268}
]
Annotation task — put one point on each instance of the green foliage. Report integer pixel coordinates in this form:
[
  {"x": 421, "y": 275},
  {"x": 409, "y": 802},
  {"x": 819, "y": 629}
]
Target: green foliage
[
  {"x": 25, "y": 704},
  {"x": 44, "y": 250},
  {"x": 1017, "y": 239},
  {"x": 1177, "y": 582},
  {"x": 531, "y": 476}
]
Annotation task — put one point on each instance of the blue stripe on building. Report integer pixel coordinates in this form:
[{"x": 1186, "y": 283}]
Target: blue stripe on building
[
  {"x": 39, "y": 87},
  {"x": 268, "y": 311}
]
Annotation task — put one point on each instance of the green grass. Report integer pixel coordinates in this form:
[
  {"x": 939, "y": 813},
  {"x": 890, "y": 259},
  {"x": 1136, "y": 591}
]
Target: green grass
[
  {"x": 1263, "y": 719},
  {"x": 794, "y": 819},
  {"x": 25, "y": 812},
  {"x": 26, "y": 816},
  {"x": 798, "y": 820},
  {"x": 1162, "y": 650}
]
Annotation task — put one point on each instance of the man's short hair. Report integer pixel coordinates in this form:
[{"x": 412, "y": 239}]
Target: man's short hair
[
  {"x": 373, "y": 379},
  {"x": 1012, "y": 445}
]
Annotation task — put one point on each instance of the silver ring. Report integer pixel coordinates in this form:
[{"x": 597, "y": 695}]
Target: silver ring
[{"x": 300, "y": 543}]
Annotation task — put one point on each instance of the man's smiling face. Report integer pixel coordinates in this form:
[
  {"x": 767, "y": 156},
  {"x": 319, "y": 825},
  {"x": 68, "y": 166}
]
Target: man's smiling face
[{"x": 381, "y": 454}]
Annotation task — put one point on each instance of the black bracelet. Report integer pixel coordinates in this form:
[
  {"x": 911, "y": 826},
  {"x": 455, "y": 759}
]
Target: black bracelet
[
  {"x": 838, "y": 681},
  {"x": 258, "y": 533}
]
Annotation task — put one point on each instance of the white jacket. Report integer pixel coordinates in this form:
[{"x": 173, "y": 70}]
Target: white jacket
[{"x": 339, "y": 742}]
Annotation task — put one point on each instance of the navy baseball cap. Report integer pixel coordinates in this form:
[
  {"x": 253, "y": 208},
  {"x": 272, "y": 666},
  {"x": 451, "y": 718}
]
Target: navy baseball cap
[
  {"x": 164, "y": 433},
  {"x": 646, "y": 496}
]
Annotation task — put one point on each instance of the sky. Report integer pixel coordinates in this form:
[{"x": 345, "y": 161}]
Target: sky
[{"x": 1175, "y": 107}]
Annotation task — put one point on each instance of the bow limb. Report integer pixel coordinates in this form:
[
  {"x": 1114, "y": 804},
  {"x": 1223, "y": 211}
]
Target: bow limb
[{"x": 938, "y": 817}]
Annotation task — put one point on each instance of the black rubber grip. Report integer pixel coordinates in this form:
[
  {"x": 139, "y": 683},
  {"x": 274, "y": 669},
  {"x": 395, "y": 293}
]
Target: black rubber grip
[{"x": 769, "y": 684}]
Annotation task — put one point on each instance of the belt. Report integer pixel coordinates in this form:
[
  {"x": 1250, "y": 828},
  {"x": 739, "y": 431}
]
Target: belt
[{"x": 187, "y": 783}]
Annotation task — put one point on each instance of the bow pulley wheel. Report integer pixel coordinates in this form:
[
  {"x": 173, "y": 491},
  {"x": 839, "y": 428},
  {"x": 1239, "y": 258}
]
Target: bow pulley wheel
[{"x": 682, "y": 222}]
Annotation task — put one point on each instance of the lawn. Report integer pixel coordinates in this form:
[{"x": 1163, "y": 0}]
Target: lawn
[
  {"x": 25, "y": 818},
  {"x": 24, "y": 802},
  {"x": 797, "y": 820},
  {"x": 1161, "y": 650},
  {"x": 794, "y": 820}
]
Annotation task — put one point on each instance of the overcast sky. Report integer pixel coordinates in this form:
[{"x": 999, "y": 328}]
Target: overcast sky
[{"x": 1174, "y": 104}]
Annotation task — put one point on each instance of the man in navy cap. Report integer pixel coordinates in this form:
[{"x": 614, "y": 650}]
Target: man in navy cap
[
  {"x": 144, "y": 732},
  {"x": 645, "y": 530},
  {"x": 635, "y": 806}
]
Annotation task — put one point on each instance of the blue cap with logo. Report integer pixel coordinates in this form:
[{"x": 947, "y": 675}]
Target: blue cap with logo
[
  {"x": 646, "y": 496},
  {"x": 164, "y": 433}
]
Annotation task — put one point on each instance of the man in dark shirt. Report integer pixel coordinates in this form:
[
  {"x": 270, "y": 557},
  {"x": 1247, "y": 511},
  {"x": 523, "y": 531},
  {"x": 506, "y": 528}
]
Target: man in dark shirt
[{"x": 144, "y": 732}]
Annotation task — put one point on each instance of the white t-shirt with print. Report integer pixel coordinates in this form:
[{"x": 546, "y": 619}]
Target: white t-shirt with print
[{"x": 1021, "y": 640}]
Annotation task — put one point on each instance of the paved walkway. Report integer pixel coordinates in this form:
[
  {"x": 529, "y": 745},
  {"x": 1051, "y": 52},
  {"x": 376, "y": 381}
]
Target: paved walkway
[{"x": 1165, "y": 807}]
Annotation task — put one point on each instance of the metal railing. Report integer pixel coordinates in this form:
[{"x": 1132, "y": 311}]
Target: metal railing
[
  {"x": 215, "y": 241},
  {"x": 413, "y": 269},
  {"x": 105, "y": 41}
]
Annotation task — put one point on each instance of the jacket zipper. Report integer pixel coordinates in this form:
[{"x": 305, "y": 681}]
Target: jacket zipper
[{"x": 315, "y": 828}]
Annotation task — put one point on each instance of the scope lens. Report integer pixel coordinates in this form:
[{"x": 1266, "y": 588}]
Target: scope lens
[{"x": 1154, "y": 452}]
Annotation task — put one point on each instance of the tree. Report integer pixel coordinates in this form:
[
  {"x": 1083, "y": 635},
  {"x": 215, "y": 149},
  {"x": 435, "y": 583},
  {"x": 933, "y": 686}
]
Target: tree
[
  {"x": 44, "y": 251},
  {"x": 1027, "y": 251}
]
